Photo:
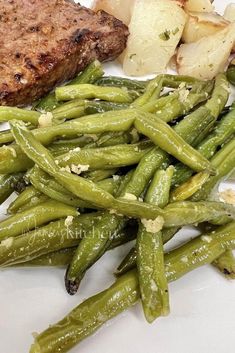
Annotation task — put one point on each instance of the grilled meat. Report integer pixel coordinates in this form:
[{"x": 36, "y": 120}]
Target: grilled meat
[{"x": 44, "y": 43}]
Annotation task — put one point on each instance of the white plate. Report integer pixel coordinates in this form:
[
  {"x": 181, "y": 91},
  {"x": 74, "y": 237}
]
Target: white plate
[{"x": 202, "y": 306}]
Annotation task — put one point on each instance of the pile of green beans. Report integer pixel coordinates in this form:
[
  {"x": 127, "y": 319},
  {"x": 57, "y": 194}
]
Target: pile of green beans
[{"x": 107, "y": 160}]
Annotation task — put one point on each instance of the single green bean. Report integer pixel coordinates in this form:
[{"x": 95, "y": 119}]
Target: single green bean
[
  {"x": 167, "y": 139},
  {"x": 6, "y": 137},
  {"x": 122, "y": 82},
  {"x": 231, "y": 74},
  {"x": 26, "y": 220},
  {"x": 190, "y": 187},
  {"x": 150, "y": 255},
  {"x": 10, "y": 113},
  {"x": 186, "y": 212},
  {"x": 104, "y": 157},
  {"x": 159, "y": 189},
  {"x": 89, "y": 91},
  {"x": 85, "y": 319}
]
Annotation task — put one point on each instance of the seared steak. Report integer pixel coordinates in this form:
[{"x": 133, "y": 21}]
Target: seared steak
[{"x": 43, "y": 43}]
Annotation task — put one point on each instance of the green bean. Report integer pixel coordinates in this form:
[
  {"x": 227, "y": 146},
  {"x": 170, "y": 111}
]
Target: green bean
[
  {"x": 69, "y": 110},
  {"x": 129, "y": 262},
  {"x": 52, "y": 237},
  {"x": 186, "y": 212},
  {"x": 188, "y": 129},
  {"x": 224, "y": 129},
  {"x": 94, "y": 107},
  {"x": 226, "y": 264},
  {"x": 8, "y": 184},
  {"x": 6, "y": 137},
  {"x": 231, "y": 74},
  {"x": 174, "y": 81},
  {"x": 105, "y": 157},
  {"x": 89, "y": 91},
  {"x": 82, "y": 188},
  {"x": 64, "y": 146},
  {"x": 224, "y": 162},
  {"x": 150, "y": 256},
  {"x": 48, "y": 186},
  {"x": 47, "y": 103},
  {"x": 55, "y": 236},
  {"x": 177, "y": 104},
  {"x": 98, "y": 175},
  {"x": 108, "y": 139},
  {"x": 86, "y": 318},
  {"x": 190, "y": 187},
  {"x": 158, "y": 191},
  {"x": 166, "y": 138},
  {"x": 152, "y": 92},
  {"x": 91, "y": 73},
  {"x": 59, "y": 258},
  {"x": 64, "y": 256},
  {"x": 91, "y": 248},
  {"x": 122, "y": 82},
  {"x": 94, "y": 245},
  {"x": 28, "y": 198},
  {"x": 34, "y": 217},
  {"x": 13, "y": 160},
  {"x": 10, "y": 113}
]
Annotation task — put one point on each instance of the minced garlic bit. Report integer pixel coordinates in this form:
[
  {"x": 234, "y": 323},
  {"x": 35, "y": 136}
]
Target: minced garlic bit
[
  {"x": 45, "y": 120},
  {"x": 184, "y": 259},
  {"x": 228, "y": 196},
  {"x": 66, "y": 169},
  {"x": 77, "y": 149},
  {"x": 116, "y": 177},
  {"x": 206, "y": 238},
  {"x": 153, "y": 286},
  {"x": 153, "y": 226},
  {"x": 115, "y": 212},
  {"x": 183, "y": 95},
  {"x": 78, "y": 169},
  {"x": 7, "y": 242},
  {"x": 129, "y": 196},
  {"x": 69, "y": 220}
]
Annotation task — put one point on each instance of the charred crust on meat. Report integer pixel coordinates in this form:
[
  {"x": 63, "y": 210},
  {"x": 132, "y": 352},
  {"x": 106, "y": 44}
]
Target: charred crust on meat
[
  {"x": 80, "y": 34},
  {"x": 34, "y": 28},
  {"x": 29, "y": 65},
  {"x": 18, "y": 77}
]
